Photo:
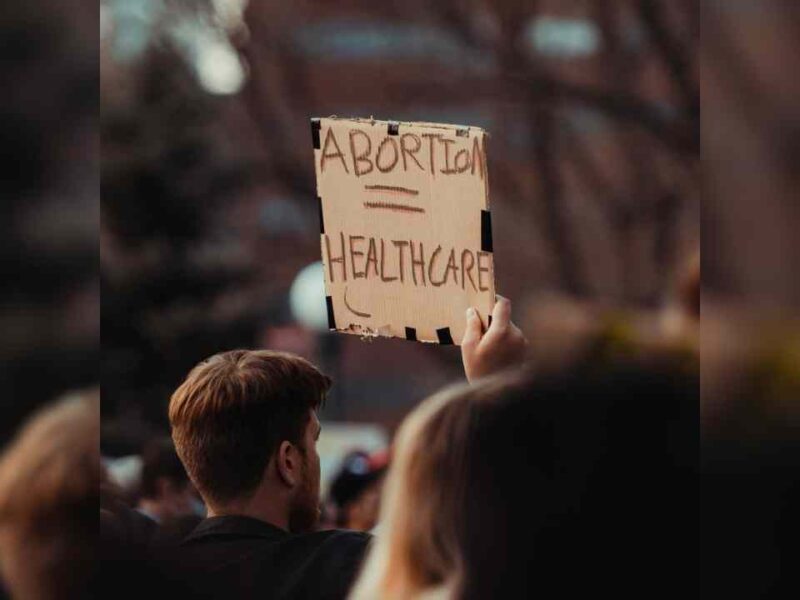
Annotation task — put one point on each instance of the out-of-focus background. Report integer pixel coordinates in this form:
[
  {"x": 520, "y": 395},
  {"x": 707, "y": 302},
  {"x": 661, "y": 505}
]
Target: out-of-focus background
[
  {"x": 209, "y": 209},
  {"x": 49, "y": 213}
]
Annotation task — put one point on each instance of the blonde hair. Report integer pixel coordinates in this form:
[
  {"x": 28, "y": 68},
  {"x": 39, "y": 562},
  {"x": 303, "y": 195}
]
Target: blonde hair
[
  {"x": 416, "y": 553},
  {"x": 50, "y": 479},
  {"x": 459, "y": 521}
]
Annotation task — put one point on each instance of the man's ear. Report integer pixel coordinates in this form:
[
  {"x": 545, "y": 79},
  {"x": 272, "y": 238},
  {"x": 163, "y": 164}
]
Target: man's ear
[{"x": 287, "y": 463}]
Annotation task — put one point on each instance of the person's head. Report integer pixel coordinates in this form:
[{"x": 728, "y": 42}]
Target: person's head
[
  {"x": 165, "y": 487},
  {"x": 50, "y": 478},
  {"x": 355, "y": 490},
  {"x": 521, "y": 482},
  {"x": 244, "y": 424}
]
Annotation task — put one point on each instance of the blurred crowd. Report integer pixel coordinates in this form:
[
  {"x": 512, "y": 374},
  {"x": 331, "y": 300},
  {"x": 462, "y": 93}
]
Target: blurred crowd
[
  {"x": 492, "y": 488},
  {"x": 658, "y": 398}
]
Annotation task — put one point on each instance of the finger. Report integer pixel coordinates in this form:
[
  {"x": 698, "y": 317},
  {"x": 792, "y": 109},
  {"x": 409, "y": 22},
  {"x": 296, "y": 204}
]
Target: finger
[
  {"x": 474, "y": 329},
  {"x": 501, "y": 314},
  {"x": 501, "y": 320}
]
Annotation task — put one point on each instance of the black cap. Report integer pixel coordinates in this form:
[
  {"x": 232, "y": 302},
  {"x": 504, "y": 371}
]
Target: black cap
[{"x": 359, "y": 470}]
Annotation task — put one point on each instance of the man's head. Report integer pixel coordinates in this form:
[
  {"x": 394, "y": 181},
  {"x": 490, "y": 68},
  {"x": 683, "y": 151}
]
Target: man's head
[
  {"x": 245, "y": 421},
  {"x": 165, "y": 490},
  {"x": 356, "y": 490}
]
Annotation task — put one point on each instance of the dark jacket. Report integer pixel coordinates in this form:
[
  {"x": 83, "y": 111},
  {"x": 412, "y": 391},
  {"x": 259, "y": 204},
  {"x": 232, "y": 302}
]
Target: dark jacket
[{"x": 241, "y": 557}]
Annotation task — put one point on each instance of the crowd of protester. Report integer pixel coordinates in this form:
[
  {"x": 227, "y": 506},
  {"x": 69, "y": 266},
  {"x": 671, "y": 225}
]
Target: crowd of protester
[
  {"x": 527, "y": 477},
  {"x": 499, "y": 487}
]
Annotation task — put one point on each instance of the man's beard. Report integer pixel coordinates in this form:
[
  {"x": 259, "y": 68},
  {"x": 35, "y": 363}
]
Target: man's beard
[{"x": 304, "y": 511}]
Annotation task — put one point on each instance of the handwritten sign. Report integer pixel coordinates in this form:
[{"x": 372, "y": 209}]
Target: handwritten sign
[{"x": 405, "y": 227}]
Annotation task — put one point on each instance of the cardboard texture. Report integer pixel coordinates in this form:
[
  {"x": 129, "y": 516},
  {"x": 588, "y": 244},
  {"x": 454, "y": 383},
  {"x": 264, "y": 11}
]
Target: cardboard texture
[{"x": 405, "y": 227}]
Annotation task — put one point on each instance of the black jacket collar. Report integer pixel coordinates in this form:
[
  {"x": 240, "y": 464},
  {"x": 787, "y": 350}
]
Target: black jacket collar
[{"x": 235, "y": 526}]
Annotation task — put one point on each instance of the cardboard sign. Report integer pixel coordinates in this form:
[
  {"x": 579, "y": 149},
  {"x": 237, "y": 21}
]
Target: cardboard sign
[{"x": 405, "y": 227}]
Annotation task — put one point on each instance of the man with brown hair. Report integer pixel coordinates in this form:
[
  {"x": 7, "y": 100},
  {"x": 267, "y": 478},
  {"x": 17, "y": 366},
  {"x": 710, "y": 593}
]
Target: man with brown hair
[{"x": 245, "y": 426}]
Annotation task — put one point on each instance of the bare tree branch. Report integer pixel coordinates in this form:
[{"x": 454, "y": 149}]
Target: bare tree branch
[{"x": 676, "y": 57}]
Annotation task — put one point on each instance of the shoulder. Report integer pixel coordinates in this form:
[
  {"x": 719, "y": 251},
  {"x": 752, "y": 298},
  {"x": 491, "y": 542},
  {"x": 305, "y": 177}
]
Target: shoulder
[
  {"x": 320, "y": 565},
  {"x": 334, "y": 550},
  {"x": 323, "y": 564},
  {"x": 335, "y": 540}
]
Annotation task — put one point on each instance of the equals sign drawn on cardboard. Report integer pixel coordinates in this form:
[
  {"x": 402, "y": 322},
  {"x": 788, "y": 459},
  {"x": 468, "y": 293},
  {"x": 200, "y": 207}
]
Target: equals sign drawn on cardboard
[{"x": 395, "y": 190}]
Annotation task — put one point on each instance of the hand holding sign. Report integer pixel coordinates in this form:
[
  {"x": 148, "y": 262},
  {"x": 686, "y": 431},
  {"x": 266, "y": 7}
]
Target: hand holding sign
[{"x": 501, "y": 347}]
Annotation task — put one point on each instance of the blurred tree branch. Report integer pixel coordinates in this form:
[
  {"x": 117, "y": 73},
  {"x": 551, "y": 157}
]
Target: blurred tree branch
[
  {"x": 523, "y": 72},
  {"x": 645, "y": 127}
]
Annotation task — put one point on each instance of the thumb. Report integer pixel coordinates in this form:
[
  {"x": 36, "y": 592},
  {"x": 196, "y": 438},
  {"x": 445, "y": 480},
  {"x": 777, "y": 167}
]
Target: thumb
[{"x": 474, "y": 330}]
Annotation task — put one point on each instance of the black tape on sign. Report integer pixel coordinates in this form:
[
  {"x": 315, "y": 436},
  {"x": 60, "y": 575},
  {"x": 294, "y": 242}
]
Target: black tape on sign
[
  {"x": 486, "y": 231},
  {"x": 315, "y": 127},
  {"x": 445, "y": 339},
  {"x": 411, "y": 334},
  {"x": 394, "y": 128},
  {"x": 321, "y": 218},
  {"x": 331, "y": 319}
]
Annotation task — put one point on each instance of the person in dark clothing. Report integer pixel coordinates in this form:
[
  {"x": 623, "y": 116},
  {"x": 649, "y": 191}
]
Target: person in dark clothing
[
  {"x": 242, "y": 557},
  {"x": 245, "y": 427},
  {"x": 355, "y": 490},
  {"x": 166, "y": 493},
  {"x": 120, "y": 524}
]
